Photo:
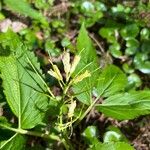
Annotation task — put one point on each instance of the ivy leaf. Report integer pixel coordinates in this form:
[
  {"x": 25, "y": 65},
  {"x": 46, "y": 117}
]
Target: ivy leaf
[
  {"x": 114, "y": 135},
  {"x": 111, "y": 81},
  {"x": 22, "y": 86},
  {"x": 91, "y": 135},
  {"x": 130, "y": 30},
  {"x": 24, "y": 8},
  {"x": 17, "y": 141},
  {"x": 88, "y": 61},
  {"x": 125, "y": 106},
  {"x": 112, "y": 146}
]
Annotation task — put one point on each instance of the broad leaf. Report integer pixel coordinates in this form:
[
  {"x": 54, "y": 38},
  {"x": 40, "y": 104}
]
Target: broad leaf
[
  {"x": 88, "y": 62},
  {"x": 16, "y": 142},
  {"x": 126, "y": 105},
  {"x": 111, "y": 81},
  {"x": 23, "y": 7},
  {"x": 112, "y": 146},
  {"x": 23, "y": 88},
  {"x": 86, "y": 50}
]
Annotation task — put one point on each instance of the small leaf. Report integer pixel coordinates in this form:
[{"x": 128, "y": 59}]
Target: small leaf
[
  {"x": 87, "y": 6},
  {"x": 135, "y": 80},
  {"x": 112, "y": 146},
  {"x": 90, "y": 132},
  {"x": 108, "y": 33},
  {"x": 114, "y": 135},
  {"x": 130, "y": 30},
  {"x": 115, "y": 50},
  {"x": 111, "y": 136},
  {"x": 90, "y": 135},
  {"x": 144, "y": 33}
]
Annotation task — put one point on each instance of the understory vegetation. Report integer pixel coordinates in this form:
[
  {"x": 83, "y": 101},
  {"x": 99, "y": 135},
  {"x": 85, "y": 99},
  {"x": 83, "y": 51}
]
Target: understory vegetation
[{"x": 74, "y": 75}]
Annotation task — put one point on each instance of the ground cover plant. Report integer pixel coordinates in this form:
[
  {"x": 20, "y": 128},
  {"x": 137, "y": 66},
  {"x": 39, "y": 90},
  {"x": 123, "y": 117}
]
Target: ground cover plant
[{"x": 74, "y": 74}]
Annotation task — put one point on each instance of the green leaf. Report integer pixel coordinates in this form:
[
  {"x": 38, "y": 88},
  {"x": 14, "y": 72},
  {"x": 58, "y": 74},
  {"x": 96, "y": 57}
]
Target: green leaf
[
  {"x": 108, "y": 33},
  {"x": 88, "y": 61},
  {"x": 87, "y": 7},
  {"x": 130, "y": 30},
  {"x": 114, "y": 135},
  {"x": 110, "y": 81},
  {"x": 115, "y": 50},
  {"x": 86, "y": 50},
  {"x": 144, "y": 34},
  {"x": 112, "y": 146},
  {"x": 132, "y": 42},
  {"x": 134, "y": 80},
  {"x": 90, "y": 135},
  {"x": 23, "y": 87},
  {"x": 15, "y": 142},
  {"x": 23, "y": 7},
  {"x": 111, "y": 136},
  {"x": 146, "y": 46},
  {"x": 125, "y": 106},
  {"x": 142, "y": 62}
]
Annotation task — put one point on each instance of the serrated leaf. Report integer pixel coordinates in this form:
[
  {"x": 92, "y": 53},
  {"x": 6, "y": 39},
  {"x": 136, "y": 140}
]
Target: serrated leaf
[
  {"x": 111, "y": 81},
  {"x": 126, "y": 106},
  {"x": 23, "y": 7},
  {"x": 16, "y": 142},
  {"x": 86, "y": 50},
  {"x": 88, "y": 61},
  {"x": 22, "y": 86},
  {"x": 112, "y": 146}
]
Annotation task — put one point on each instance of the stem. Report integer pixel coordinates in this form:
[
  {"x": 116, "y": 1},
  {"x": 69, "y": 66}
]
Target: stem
[
  {"x": 32, "y": 133},
  {"x": 86, "y": 112},
  {"x": 67, "y": 143}
]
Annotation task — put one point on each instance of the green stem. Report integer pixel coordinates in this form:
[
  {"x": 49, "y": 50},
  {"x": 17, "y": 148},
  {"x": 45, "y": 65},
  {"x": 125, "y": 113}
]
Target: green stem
[
  {"x": 67, "y": 143},
  {"x": 86, "y": 112},
  {"x": 32, "y": 133}
]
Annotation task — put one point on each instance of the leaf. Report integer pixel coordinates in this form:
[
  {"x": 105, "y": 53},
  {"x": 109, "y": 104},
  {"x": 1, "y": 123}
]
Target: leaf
[
  {"x": 91, "y": 135},
  {"x": 23, "y": 88},
  {"x": 17, "y": 141},
  {"x": 112, "y": 146},
  {"x": 142, "y": 62},
  {"x": 88, "y": 61},
  {"x": 115, "y": 50},
  {"x": 114, "y": 135},
  {"x": 126, "y": 106},
  {"x": 90, "y": 132},
  {"x": 23, "y": 7},
  {"x": 108, "y": 33},
  {"x": 130, "y": 30},
  {"x": 86, "y": 50},
  {"x": 112, "y": 80}
]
